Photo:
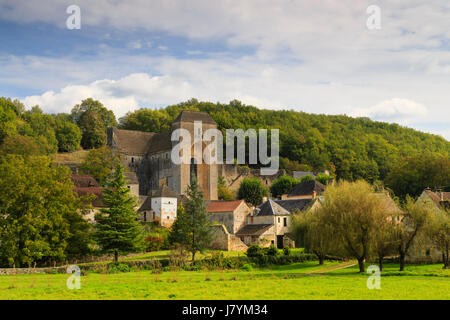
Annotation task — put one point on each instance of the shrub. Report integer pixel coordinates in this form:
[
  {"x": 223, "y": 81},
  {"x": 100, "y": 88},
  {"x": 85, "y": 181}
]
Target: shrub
[
  {"x": 247, "y": 267},
  {"x": 272, "y": 251},
  {"x": 119, "y": 267},
  {"x": 254, "y": 251},
  {"x": 287, "y": 251}
]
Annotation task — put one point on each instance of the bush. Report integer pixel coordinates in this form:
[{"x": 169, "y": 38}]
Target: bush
[
  {"x": 119, "y": 267},
  {"x": 254, "y": 251},
  {"x": 287, "y": 251},
  {"x": 272, "y": 251},
  {"x": 247, "y": 267}
]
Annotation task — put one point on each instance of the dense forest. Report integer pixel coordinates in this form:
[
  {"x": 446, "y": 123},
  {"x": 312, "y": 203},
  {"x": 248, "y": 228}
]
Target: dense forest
[{"x": 351, "y": 148}]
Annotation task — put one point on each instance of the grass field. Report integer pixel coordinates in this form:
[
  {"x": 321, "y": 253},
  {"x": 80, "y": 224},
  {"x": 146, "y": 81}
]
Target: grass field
[{"x": 294, "y": 282}]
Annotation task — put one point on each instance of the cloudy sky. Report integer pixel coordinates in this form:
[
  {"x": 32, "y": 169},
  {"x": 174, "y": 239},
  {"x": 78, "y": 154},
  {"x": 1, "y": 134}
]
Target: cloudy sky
[{"x": 314, "y": 56}]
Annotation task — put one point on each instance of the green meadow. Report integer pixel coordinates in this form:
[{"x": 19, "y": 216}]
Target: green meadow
[{"x": 298, "y": 281}]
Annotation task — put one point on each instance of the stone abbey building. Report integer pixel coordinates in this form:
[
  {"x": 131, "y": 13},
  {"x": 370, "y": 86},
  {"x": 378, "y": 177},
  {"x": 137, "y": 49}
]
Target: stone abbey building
[{"x": 148, "y": 154}]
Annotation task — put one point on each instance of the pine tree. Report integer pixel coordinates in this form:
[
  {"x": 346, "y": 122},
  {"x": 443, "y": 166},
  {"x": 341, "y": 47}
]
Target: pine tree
[
  {"x": 118, "y": 230},
  {"x": 191, "y": 228}
]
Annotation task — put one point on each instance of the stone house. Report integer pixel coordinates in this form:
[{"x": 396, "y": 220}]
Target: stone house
[
  {"x": 268, "y": 225},
  {"x": 305, "y": 190},
  {"x": 422, "y": 250},
  {"x": 232, "y": 214},
  {"x": 160, "y": 207}
]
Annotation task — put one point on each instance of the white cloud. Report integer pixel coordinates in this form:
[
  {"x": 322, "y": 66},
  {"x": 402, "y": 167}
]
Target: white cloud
[{"x": 402, "y": 111}]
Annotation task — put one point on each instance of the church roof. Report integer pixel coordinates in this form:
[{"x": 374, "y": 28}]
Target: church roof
[
  {"x": 307, "y": 188},
  {"x": 160, "y": 142},
  {"x": 191, "y": 116},
  {"x": 223, "y": 206},
  {"x": 130, "y": 141},
  {"x": 271, "y": 208}
]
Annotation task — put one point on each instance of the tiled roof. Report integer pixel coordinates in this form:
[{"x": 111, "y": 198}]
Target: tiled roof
[
  {"x": 84, "y": 181},
  {"x": 97, "y": 191},
  {"x": 436, "y": 197},
  {"x": 160, "y": 142},
  {"x": 223, "y": 206},
  {"x": 191, "y": 116},
  {"x": 130, "y": 141},
  {"x": 271, "y": 208},
  {"x": 293, "y": 205},
  {"x": 253, "y": 229},
  {"x": 163, "y": 191},
  {"x": 307, "y": 188}
]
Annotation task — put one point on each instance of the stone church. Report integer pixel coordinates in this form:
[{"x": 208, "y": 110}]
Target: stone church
[{"x": 148, "y": 154}]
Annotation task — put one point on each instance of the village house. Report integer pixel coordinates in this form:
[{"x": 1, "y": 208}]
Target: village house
[
  {"x": 422, "y": 249},
  {"x": 160, "y": 207},
  {"x": 232, "y": 214},
  {"x": 309, "y": 189},
  {"x": 269, "y": 225},
  {"x": 87, "y": 185}
]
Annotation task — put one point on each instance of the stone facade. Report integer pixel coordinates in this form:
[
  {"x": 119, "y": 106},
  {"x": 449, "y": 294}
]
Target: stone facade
[{"x": 223, "y": 240}]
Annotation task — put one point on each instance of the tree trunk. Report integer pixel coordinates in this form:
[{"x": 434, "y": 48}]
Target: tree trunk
[
  {"x": 445, "y": 259},
  {"x": 402, "y": 261},
  {"x": 193, "y": 256},
  {"x": 321, "y": 259},
  {"x": 361, "y": 264},
  {"x": 116, "y": 256},
  {"x": 380, "y": 263}
]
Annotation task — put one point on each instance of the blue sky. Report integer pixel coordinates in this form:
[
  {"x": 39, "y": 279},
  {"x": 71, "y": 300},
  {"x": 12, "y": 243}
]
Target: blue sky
[{"x": 289, "y": 54}]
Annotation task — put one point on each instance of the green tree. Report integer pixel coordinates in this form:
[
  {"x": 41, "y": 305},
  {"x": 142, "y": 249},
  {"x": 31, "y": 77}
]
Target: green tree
[
  {"x": 439, "y": 232},
  {"x": 94, "y": 130},
  {"x": 411, "y": 175},
  {"x": 100, "y": 163},
  {"x": 222, "y": 191},
  {"x": 107, "y": 116},
  {"x": 118, "y": 230},
  {"x": 282, "y": 185},
  {"x": 252, "y": 191},
  {"x": 323, "y": 178},
  {"x": 68, "y": 135},
  {"x": 413, "y": 222},
  {"x": 40, "y": 215},
  {"x": 20, "y": 145},
  {"x": 192, "y": 227}
]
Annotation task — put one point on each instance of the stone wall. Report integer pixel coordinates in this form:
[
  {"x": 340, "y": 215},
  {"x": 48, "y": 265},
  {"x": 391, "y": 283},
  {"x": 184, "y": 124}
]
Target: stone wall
[{"x": 223, "y": 240}]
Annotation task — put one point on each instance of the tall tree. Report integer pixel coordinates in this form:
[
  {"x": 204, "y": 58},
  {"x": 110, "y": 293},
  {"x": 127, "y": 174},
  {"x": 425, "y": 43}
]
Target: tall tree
[
  {"x": 252, "y": 191},
  {"x": 100, "y": 163},
  {"x": 40, "y": 216},
  {"x": 107, "y": 116},
  {"x": 192, "y": 227},
  {"x": 353, "y": 209},
  {"x": 68, "y": 135},
  {"x": 439, "y": 233},
  {"x": 94, "y": 130},
  {"x": 118, "y": 230},
  {"x": 282, "y": 185},
  {"x": 414, "y": 221}
]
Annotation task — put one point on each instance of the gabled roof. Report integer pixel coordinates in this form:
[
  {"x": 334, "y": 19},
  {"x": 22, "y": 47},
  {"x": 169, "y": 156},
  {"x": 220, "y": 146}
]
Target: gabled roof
[
  {"x": 271, "y": 208},
  {"x": 293, "y": 205},
  {"x": 439, "y": 198},
  {"x": 130, "y": 141},
  {"x": 307, "y": 188},
  {"x": 253, "y": 229},
  {"x": 191, "y": 116},
  {"x": 96, "y": 191},
  {"x": 223, "y": 206},
  {"x": 84, "y": 181},
  {"x": 160, "y": 142},
  {"x": 163, "y": 192}
]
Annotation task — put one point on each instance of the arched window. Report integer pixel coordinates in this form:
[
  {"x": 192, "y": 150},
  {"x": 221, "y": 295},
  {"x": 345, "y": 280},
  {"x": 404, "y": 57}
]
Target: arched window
[{"x": 193, "y": 170}]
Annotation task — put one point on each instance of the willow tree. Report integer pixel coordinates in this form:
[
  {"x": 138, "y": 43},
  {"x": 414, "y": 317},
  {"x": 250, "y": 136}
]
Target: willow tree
[{"x": 352, "y": 209}]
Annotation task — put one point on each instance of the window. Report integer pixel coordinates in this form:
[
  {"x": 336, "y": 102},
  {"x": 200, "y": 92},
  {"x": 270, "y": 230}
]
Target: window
[
  {"x": 132, "y": 159},
  {"x": 278, "y": 219},
  {"x": 285, "y": 222}
]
